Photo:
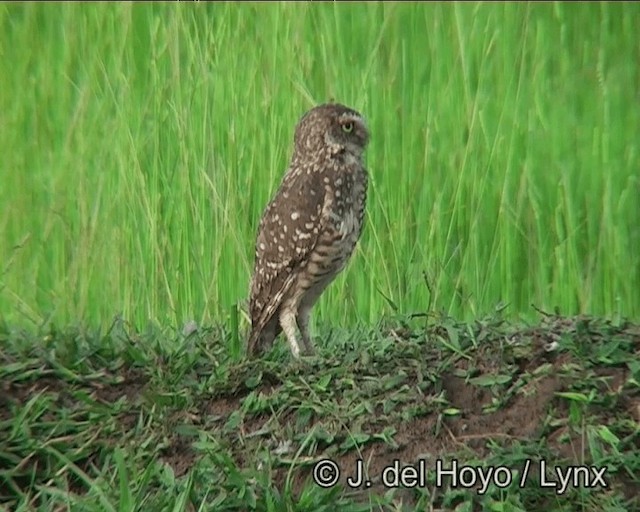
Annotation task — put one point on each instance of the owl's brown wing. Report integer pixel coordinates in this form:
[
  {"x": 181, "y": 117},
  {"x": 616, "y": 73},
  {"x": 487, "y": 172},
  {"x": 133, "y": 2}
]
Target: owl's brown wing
[{"x": 288, "y": 232}]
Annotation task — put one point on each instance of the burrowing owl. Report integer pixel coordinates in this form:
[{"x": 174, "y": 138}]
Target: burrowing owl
[{"x": 309, "y": 229}]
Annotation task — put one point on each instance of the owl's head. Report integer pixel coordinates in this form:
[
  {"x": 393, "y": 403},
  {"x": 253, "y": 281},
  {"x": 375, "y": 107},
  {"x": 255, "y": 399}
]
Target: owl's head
[{"x": 331, "y": 128}]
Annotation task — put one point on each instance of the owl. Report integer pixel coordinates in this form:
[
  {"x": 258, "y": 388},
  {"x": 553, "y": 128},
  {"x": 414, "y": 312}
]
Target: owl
[{"x": 310, "y": 228}]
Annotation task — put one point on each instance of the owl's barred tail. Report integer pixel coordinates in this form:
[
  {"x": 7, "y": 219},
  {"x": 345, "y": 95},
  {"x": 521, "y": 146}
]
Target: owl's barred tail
[
  {"x": 258, "y": 338},
  {"x": 252, "y": 342}
]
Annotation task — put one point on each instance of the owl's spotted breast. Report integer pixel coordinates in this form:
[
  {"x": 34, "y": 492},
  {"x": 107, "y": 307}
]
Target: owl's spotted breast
[{"x": 346, "y": 211}]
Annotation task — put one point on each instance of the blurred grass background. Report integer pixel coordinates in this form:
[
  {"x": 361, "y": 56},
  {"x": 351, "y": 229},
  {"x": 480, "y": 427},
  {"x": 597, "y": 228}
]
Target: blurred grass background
[{"x": 139, "y": 143}]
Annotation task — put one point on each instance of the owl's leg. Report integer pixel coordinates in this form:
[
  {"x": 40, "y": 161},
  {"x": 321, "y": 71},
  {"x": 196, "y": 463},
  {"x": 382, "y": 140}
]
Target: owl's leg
[
  {"x": 303, "y": 324},
  {"x": 304, "y": 311},
  {"x": 288, "y": 323}
]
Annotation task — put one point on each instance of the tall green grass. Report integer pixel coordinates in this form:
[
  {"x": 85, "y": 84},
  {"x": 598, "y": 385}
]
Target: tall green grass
[{"x": 139, "y": 144}]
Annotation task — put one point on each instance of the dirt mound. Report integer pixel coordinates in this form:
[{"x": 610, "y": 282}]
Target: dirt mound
[
  {"x": 496, "y": 399},
  {"x": 510, "y": 401}
]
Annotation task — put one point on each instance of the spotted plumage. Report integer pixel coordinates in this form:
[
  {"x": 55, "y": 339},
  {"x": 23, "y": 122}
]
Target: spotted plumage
[{"x": 311, "y": 226}]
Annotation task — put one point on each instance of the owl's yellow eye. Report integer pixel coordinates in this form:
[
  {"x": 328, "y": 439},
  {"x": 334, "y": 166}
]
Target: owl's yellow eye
[{"x": 347, "y": 127}]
